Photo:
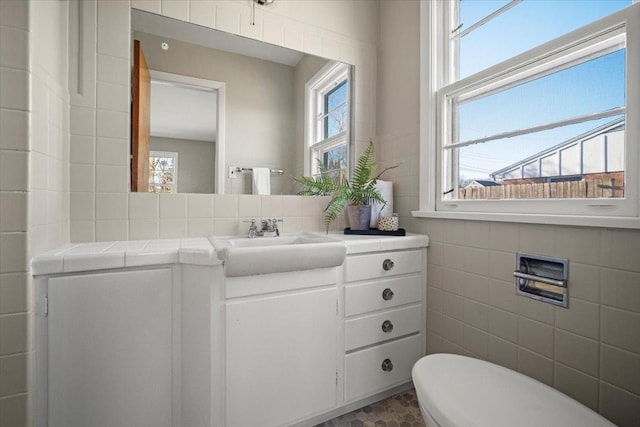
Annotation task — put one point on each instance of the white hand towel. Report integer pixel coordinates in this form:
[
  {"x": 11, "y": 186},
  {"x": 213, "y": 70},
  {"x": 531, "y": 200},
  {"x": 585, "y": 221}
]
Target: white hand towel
[{"x": 261, "y": 181}]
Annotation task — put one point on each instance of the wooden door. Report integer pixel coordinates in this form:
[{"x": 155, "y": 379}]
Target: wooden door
[{"x": 140, "y": 119}]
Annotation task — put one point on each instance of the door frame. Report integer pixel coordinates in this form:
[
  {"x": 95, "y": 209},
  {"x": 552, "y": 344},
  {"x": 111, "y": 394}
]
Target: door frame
[{"x": 211, "y": 85}]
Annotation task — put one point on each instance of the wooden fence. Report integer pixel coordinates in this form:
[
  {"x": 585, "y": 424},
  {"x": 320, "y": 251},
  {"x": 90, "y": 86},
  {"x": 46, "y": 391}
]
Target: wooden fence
[{"x": 599, "y": 188}]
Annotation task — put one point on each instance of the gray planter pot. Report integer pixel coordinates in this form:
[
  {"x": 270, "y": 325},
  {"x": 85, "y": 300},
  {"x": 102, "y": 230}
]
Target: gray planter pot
[{"x": 359, "y": 217}]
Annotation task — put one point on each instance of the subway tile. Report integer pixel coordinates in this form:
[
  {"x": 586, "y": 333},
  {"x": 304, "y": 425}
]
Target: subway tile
[
  {"x": 577, "y": 385},
  {"x": 112, "y": 151},
  {"x": 581, "y": 317},
  {"x": 620, "y": 289},
  {"x": 273, "y": 30},
  {"x": 535, "y": 366},
  {"x": 453, "y": 231},
  {"x": 225, "y": 226},
  {"x": 200, "y": 12},
  {"x": 112, "y": 206},
  {"x": 113, "y": 41},
  {"x": 434, "y": 321},
  {"x": 199, "y": 227},
  {"x": 476, "y": 314},
  {"x": 14, "y": 293},
  {"x": 112, "y": 124},
  {"x": 620, "y": 249},
  {"x": 13, "y": 371},
  {"x": 14, "y": 129},
  {"x": 578, "y": 244},
  {"x": 476, "y": 261},
  {"x": 112, "y": 97},
  {"x": 14, "y": 250},
  {"x": 14, "y": 410},
  {"x": 228, "y": 19},
  {"x": 83, "y": 121},
  {"x": 312, "y": 42},
  {"x": 82, "y": 231},
  {"x": 476, "y": 288},
  {"x": 476, "y": 234},
  {"x": 535, "y": 336},
  {"x": 114, "y": 13},
  {"x": 434, "y": 229},
  {"x": 435, "y": 276},
  {"x": 173, "y": 206},
  {"x": 272, "y": 206},
  {"x": 143, "y": 229},
  {"x": 290, "y": 225},
  {"x": 292, "y": 206},
  {"x": 144, "y": 206},
  {"x": 453, "y": 306},
  {"x": 249, "y": 206},
  {"x": 584, "y": 282},
  {"x": 39, "y": 171},
  {"x": 537, "y": 239},
  {"x": 111, "y": 179},
  {"x": 312, "y": 206},
  {"x": 503, "y": 324},
  {"x": 83, "y": 149},
  {"x": 83, "y": 207},
  {"x": 13, "y": 211},
  {"x": 620, "y": 328},
  {"x": 14, "y": 170},
  {"x": 502, "y": 353},
  {"x": 435, "y": 252},
  {"x": 435, "y": 298},
  {"x": 452, "y": 330},
  {"x": 13, "y": 334},
  {"x": 200, "y": 206},
  {"x": 476, "y": 341},
  {"x": 15, "y": 89},
  {"x": 111, "y": 230},
  {"x": 113, "y": 70},
  {"x": 153, "y": 6},
  {"x": 173, "y": 228},
  {"x": 577, "y": 352},
  {"x": 177, "y": 9},
  {"x": 82, "y": 178},
  {"x": 14, "y": 14},
  {"x": 503, "y": 295},
  {"x": 454, "y": 256},
  {"x": 14, "y": 48},
  {"x": 453, "y": 281},
  {"x": 225, "y": 206},
  {"x": 620, "y": 368},
  {"x": 502, "y": 265},
  {"x": 504, "y": 236},
  {"x": 536, "y": 310},
  {"x": 619, "y": 406}
]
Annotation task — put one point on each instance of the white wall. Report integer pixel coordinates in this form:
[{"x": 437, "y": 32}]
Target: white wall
[
  {"x": 102, "y": 208},
  {"x": 196, "y": 168},
  {"x": 34, "y": 176},
  {"x": 590, "y": 351}
]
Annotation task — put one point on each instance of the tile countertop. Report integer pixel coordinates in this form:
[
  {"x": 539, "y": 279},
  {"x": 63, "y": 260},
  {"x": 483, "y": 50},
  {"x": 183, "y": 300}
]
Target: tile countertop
[{"x": 78, "y": 257}]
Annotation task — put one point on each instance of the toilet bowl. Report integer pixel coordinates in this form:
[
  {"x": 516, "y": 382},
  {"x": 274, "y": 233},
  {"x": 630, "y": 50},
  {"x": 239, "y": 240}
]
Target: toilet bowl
[{"x": 462, "y": 391}]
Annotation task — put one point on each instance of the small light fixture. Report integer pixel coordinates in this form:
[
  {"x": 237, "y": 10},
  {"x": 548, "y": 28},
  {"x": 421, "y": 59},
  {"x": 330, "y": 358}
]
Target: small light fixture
[
  {"x": 164, "y": 46},
  {"x": 264, "y": 2},
  {"x": 253, "y": 8}
]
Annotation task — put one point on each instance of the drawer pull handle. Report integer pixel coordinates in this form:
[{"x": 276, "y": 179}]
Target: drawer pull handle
[
  {"x": 387, "y": 366},
  {"x": 387, "y": 294},
  {"x": 387, "y": 326},
  {"x": 387, "y": 264}
]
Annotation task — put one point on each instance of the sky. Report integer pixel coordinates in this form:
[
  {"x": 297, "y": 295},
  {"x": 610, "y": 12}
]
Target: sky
[{"x": 591, "y": 87}]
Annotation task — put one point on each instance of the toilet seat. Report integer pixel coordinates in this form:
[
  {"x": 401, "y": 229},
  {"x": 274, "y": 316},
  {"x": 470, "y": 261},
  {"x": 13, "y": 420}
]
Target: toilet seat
[{"x": 459, "y": 391}]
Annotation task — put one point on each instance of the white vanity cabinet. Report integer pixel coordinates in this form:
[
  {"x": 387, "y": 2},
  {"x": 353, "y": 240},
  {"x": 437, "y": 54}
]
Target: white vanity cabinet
[
  {"x": 281, "y": 348},
  {"x": 384, "y": 319},
  {"x": 105, "y": 349}
]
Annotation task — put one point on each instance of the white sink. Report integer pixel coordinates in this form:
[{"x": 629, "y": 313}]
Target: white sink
[{"x": 243, "y": 256}]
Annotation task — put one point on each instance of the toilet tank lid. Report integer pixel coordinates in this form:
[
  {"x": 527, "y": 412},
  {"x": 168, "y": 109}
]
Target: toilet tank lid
[{"x": 463, "y": 391}]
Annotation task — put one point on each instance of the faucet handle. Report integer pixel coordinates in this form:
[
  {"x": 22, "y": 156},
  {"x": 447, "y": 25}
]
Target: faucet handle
[{"x": 251, "y": 220}]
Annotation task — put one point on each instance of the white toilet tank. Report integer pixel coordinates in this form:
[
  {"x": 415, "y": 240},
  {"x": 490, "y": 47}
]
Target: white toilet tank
[{"x": 459, "y": 391}]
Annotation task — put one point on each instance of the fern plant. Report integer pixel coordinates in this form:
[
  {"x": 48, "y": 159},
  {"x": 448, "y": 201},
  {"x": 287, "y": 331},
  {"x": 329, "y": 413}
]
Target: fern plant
[{"x": 360, "y": 191}]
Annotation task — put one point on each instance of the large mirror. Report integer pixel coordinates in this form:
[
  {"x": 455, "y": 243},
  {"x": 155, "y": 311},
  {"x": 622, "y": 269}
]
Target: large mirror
[{"x": 214, "y": 112}]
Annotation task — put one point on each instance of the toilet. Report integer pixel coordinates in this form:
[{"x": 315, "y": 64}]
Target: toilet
[{"x": 462, "y": 391}]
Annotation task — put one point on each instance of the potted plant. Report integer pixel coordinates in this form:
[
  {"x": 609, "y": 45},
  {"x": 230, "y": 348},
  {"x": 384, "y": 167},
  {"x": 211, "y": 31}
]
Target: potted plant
[{"x": 359, "y": 193}]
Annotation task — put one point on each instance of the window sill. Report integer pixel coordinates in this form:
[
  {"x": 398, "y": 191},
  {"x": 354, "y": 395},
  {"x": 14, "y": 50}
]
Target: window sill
[{"x": 571, "y": 220}]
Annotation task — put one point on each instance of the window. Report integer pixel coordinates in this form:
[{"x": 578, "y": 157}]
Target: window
[
  {"x": 328, "y": 116},
  {"x": 163, "y": 172},
  {"x": 534, "y": 102}
]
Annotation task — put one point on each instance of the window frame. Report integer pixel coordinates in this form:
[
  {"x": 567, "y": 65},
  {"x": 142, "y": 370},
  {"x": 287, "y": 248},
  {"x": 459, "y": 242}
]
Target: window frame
[
  {"x": 437, "y": 68},
  {"x": 329, "y": 78},
  {"x": 168, "y": 154}
]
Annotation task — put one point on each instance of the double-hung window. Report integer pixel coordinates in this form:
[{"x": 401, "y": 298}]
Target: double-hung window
[
  {"x": 163, "y": 172},
  {"x": 328, "y": 115},
  {"x": 537, "y": 107}
]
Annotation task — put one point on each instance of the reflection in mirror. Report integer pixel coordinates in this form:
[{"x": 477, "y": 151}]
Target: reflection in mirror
[{"x": 225, "y": 105}]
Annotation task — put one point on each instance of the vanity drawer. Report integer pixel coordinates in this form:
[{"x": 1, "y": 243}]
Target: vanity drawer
[
  {"x": 381, "y": 294},
  {"x": 384, "y": 264},
  {"x": 367, "y": 330},
  {"x": 376, "y": 368}
]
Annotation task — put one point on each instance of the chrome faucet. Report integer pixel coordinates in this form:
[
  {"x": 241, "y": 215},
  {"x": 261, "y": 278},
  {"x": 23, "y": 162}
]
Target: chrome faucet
[
  {"x": 253, "y": 230},
  {"x": 269, "y": 228}
]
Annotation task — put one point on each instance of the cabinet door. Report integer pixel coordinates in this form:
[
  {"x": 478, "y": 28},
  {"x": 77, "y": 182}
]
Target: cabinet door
[
  {"x": 109, "y": 348},
  {"x": 281, "y": 357}
]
